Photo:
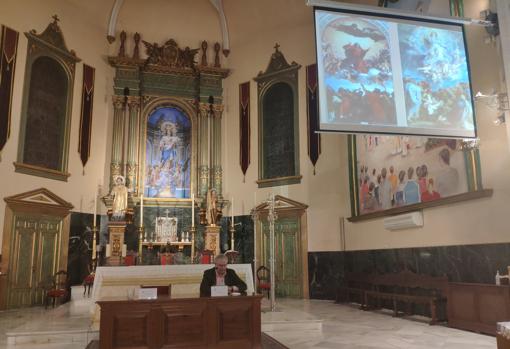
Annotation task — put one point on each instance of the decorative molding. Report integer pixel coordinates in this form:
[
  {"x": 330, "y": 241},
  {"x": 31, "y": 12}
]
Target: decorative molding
[
  {"x": 218, "y": 5},
  {"x": 112, "y": 22},
  {"x": 277, "y": 64},
  {"x": 470, "y": 195},
  {"x": 37, "y": 197},
  {"x": 273, "y": 182},
  {"x": 40, "y": 171}
]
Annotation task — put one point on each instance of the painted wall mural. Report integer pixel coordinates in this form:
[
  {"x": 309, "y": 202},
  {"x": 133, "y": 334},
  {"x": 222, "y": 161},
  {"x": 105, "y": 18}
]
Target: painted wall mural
[
  {"x": 168, "y": 154},
  {"x": 395, "y": 171}
]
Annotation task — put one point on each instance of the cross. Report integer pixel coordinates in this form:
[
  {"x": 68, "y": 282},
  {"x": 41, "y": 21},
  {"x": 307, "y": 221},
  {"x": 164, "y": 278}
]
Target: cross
[
  {"x": 167, "y": 211},
  {"x": 55, "y": 18},
  {"x": 276, "y": 46}
]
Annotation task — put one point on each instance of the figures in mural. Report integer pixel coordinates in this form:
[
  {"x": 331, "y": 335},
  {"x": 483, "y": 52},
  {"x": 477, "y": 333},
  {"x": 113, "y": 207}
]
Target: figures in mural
[
  {"x": 212, "y": 207},
  {"x": 120, "y": 198}
]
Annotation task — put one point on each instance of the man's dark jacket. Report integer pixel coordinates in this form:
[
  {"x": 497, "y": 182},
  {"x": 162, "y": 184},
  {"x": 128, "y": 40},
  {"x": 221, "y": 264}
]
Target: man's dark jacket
[{"x": 209, "y": 279}]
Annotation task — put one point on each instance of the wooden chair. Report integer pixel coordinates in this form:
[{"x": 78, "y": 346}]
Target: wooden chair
[
  {"x": 59, "y": 288},
  {"x": 263, "y": 280},
  {"x": 88, "y": 282}
]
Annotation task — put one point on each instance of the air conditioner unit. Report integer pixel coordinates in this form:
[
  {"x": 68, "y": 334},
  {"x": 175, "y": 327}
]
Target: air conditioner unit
[{"x": 404, "y": 221}]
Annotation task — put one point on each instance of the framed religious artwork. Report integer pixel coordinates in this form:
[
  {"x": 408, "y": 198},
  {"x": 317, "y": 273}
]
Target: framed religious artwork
[
  {"x": 168, "y": 154},
  {"x": 396, "y": 174}
]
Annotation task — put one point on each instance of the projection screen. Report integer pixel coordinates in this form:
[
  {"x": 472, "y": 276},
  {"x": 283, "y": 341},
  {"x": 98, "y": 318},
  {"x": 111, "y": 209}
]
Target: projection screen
[{"x": 381, "y": 73}]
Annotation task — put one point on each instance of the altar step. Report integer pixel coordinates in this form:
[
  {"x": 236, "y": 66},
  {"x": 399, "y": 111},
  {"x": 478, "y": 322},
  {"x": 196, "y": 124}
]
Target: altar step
[
  {"x": 69, "y": 323},
  {"x": 289, "y": 318}
]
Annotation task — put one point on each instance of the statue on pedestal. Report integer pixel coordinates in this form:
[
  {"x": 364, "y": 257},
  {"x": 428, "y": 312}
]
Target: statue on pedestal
[
  {"x": 120, "y": 198},
  {"x": 211, "y": 207}
]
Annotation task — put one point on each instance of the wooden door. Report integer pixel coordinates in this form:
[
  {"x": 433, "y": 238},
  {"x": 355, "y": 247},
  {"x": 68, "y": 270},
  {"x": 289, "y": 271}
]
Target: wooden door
[
  {"x": 288, "y": 254},
  {"x": 34, "y": 258}
]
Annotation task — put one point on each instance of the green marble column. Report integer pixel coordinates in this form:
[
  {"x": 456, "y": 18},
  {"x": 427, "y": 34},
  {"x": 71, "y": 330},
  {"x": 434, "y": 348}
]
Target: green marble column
[
  {"x": 117, "y": 138},
  {"x": 132, "y": 143},
  {"x": 216, "y": 151},
  {"x": 203, "y": 151}
]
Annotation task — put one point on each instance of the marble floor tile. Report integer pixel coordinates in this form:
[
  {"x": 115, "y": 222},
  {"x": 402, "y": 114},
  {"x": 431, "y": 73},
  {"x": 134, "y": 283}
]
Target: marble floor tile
[{"x": 341, "y": 327}]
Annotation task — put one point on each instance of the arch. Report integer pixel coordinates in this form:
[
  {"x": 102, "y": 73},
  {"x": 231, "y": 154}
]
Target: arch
[{"x": 172, "y": 161}]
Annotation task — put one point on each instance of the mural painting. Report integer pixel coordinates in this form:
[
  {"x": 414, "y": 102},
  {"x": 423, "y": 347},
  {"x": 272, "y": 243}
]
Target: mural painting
[
  {"x": 394, "y": 171},
  {"x": 168, "y": 154}
]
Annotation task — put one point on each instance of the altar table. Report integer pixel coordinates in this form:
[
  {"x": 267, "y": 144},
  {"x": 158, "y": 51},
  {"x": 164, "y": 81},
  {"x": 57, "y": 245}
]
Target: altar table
[
  {"x": 185, "y": 279},
  {"x": 173, "y": 322}
]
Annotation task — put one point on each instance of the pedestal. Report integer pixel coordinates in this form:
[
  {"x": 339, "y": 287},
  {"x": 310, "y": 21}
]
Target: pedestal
[
  {"x": 212, "y": 239},
  {"x": 116, "y": 232}
]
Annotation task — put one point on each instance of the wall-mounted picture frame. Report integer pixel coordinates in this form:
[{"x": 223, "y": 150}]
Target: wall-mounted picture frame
[{"x": 396, "y": 174}]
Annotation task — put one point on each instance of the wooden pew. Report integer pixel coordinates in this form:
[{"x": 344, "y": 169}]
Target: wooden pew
[{"x": 377, "y": 291}]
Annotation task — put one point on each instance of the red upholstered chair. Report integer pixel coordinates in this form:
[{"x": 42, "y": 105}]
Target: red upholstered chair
[
  {"x": 88, "y": 282},
  {"x": 166, "y": 258},
  {"x": 264, "y": 280},
  {"x": 207, "y": 257},
  {"x": 129, "y": 260},
  {"x": 58, "y": 288}
]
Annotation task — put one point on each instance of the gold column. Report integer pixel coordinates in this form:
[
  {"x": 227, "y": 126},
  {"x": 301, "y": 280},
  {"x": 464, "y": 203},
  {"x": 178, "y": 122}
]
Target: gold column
[
  {"x": 118, "y": 131},
  {"x": 132, "y": 143}
]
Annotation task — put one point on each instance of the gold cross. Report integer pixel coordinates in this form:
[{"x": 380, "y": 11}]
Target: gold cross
[
  {"x": 55, "y": 18},
  {"x": 276, "y": 46}
]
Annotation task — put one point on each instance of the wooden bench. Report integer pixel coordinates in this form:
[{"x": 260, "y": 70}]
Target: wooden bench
[{"x": 377, "y": 291}]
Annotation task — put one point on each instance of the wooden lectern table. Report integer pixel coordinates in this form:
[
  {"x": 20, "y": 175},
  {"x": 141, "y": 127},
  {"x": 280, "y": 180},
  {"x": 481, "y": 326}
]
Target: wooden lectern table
[{"x": 166, "y": 322}]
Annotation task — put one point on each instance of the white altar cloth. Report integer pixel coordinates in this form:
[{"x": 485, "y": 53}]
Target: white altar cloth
[{"x": 185, "y": 279}]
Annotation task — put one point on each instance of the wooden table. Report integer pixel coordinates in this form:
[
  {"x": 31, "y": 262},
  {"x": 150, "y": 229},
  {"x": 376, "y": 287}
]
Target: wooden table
[
  {"x": 215, "y": 322},
  {"x": 477, "y": 307}
]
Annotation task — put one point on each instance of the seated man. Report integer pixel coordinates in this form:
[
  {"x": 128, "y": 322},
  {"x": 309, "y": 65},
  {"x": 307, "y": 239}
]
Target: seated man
[{"x": 220, "y": 275}]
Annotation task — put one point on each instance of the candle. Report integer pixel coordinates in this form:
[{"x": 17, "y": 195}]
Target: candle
[
  {"x": 193, "y": 210},
  {"x": 108, "y": 250},
  {"x": 95, "y": 210},
  {"x": 232, "y": 211},
  {"x": 124, "y": 250},
  {"x": 141, "y": 210}
]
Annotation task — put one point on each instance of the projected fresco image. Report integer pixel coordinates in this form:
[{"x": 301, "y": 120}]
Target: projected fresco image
[
  {"x": 168, "y": 154},
  {"x": 392, "y": 75},
  {"x": 357, "y": 71},
  {"x": 435, "y": 75}
]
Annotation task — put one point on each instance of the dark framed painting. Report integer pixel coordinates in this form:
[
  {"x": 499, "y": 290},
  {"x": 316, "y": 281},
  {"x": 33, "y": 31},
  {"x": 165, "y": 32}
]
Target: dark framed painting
[{"x": 391, "y": 173}]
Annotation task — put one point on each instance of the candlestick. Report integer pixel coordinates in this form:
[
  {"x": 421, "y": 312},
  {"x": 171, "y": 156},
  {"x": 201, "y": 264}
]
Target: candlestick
[
  {"x": 141, "y": 210},
  {"x": 94, "y": 243},
  {"x": 232, "y": 211},
  {"x": 95, "y": 209},
  {"x": 192, "y": 209}
]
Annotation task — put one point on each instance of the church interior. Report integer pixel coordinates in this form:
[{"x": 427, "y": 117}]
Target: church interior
[{"x": 141, "y": 140}]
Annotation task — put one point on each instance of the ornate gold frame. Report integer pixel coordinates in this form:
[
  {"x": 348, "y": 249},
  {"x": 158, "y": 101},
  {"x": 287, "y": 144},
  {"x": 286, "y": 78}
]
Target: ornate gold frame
[{"x": 187, "y": 106}]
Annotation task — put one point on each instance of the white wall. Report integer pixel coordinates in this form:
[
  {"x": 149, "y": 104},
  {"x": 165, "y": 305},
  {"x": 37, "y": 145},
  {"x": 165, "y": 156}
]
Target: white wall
[
  {"x": 85, "y": 35},
  {"x": 255, "y": 26}
]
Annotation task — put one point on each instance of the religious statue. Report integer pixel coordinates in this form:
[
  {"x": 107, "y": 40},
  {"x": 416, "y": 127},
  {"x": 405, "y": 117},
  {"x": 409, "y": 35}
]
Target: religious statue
[
  {"x": 120, "y": 198},
  {"x": 211, "y": 208}
]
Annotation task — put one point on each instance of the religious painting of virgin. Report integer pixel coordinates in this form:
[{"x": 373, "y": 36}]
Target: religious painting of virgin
[
  {"x": 394, "y": 171},
  {"x": 168, "y": 154}
]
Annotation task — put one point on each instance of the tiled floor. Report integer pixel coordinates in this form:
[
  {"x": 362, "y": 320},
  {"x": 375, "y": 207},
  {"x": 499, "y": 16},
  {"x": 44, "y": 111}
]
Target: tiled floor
[
  {"x": 346, "y": 327},
  {"x": 331, "y": 326}
]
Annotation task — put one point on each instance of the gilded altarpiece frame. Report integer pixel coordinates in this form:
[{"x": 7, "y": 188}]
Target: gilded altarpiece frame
[{"x": 50, "y": 47}]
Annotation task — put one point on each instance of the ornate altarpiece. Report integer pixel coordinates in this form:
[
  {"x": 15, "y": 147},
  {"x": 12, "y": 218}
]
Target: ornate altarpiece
[{"x": 172, "y": 107}]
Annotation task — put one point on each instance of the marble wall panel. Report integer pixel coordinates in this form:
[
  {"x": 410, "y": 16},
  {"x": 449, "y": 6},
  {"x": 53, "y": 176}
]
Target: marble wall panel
[{"x": 463, "y": 263}]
